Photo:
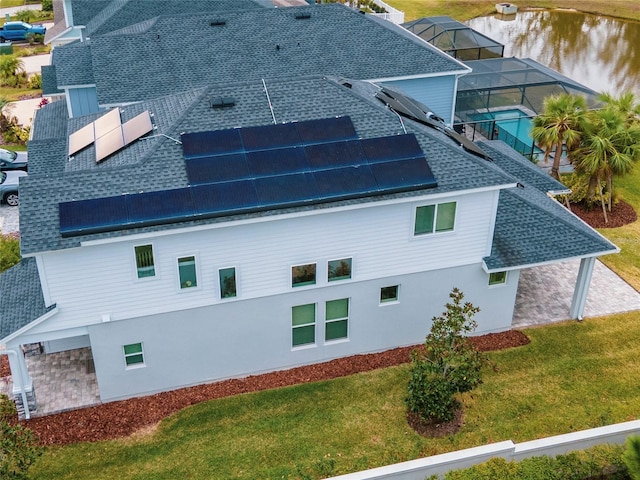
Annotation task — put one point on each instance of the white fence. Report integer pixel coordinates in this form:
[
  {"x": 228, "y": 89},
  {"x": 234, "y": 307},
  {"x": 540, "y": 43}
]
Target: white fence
[
  {"x": 551, "y": 446},
  {"x": 392, "y": 15}
]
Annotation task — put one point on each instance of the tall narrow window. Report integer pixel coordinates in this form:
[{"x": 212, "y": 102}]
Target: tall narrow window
[
  {"x": 337, "y": 319},
  {"x": 339, "y": 269},
  {"x": 303, "y": 323},
  {"x": 133, "y": 354},
  {"x": 227, "y": 282},
  {"x": 187, "y": 272},
  {"x": 144, "y": 261},
  {"x": 302, "y": 275},
  {"x": 435, "y": 218}
]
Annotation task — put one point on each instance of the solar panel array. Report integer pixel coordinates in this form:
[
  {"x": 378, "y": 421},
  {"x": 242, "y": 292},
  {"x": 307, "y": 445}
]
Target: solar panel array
[
  {"x": 108, "y": 133},
  {"x": 253, "y": 169}
]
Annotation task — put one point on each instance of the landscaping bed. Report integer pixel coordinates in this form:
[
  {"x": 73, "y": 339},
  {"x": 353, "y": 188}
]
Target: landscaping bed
[{"x": 123, "y": 418}]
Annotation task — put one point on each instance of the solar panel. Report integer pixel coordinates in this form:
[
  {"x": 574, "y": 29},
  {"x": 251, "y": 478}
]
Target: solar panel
[
  {"x": 285, "y": 190},
  {"x": 136, "y": 127},
  {"x": 326, "y": 130},
  {"x": 152, "y": 208},
  {"x": 280, "y": 161},
  {"x": 81, "y": 138},
  {"x": 336, "y": 154},
  {"x": 270, "y": 136},
  {"x": 395, "y": 147},
  {"x": 108, "y": 144},
  {"x": 225, "y": 198},
  {"x": 107, "y": 122},
  {"x": 401, "y": 175},
  {"x": 206, "y": 144},
  {"x": 92, "y": 216},
  {"x": 345, "y": 182},
  {"x": 222, "y": 168}
]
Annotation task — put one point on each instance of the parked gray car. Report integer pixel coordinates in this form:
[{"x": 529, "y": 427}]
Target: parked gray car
[{"x": 9, "y": 186}]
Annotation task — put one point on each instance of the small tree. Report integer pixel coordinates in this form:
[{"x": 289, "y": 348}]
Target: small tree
[
  {"x": 449, "y": 363},
  {"x": 9, "y": 251},
  {"x": 19, "y": 448}
]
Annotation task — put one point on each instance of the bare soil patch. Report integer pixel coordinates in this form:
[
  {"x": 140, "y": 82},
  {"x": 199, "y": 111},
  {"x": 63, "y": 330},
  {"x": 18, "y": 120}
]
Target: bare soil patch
[
  {"x": 126, "y": 417},
  {"x": 621, "y": 214}
]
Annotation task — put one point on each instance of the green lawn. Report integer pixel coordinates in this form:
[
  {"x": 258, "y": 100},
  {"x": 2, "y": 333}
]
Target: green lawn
[{"x": 552, "y": 386}]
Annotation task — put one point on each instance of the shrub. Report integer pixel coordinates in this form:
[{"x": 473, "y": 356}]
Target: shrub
[
  {"x": 24, "y": 15},
  {"x": 35, "y": 81},
  {"x": 632, "y": 456},
  {"x": 18, "y": 445},
  {"x": 449, "y": 363},
  {"x": 9, "y": 251},
  {"x": 47, "y": 5}
]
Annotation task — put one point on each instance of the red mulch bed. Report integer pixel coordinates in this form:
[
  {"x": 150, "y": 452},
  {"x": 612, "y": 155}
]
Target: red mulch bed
[
  {"x": 621, "y": 214},
  {"x": 123, "y": 418}
]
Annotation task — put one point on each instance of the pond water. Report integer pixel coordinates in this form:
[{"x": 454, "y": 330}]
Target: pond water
[{"x": 599, "y": 52}]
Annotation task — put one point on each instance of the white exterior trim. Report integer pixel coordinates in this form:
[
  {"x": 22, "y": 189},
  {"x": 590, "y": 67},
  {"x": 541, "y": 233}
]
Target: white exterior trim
[
  {"x": 550, "y": 262},
  {"x": 421, "y": 75},
  {"x": 29, "y": 326}
]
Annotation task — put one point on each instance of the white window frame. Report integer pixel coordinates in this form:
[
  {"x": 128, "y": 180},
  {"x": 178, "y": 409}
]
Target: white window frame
[
  {"x": 309, "y": 285},
  {"x": 313, "y": 344},
  {"x": 394, "y": 301},
  {"x": 435, "y": 219},
  {"x": 350, "y": 258},
  {"x": 198, "y": 285},
  {"x": 156, "y": 274},
  {"x": 334, "y": 320},
  {"x": 235, "y": 274},
  {"x": 127, "y": 355},
  {"x": 498, "y": 284}
]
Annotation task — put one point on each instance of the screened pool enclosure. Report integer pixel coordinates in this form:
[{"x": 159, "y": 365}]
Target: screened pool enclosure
[{"x": 455, "y": 38}]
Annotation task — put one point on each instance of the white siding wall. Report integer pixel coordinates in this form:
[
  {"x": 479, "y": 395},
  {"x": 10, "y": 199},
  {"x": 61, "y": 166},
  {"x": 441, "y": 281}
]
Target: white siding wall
[
  {"x": 90, "y": 282},
  {"x": 436, "y": 93}
]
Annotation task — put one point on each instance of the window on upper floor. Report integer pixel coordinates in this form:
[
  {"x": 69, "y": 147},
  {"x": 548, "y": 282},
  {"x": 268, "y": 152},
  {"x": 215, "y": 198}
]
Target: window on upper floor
[
  {"x": 227, "y": 278},
  {"x": 302, "y": 275},
  {"x": 435, "y": 218},
  {"x": 336, "y": 319},
  {"x": 339, "y": 269},
  {"x": 144, "y": 261},
  {"x": 389, "y": 294},
  {"x": 303, "y": 325},
  {"x": 497, "y": 278},
  {"x": 187, "y": 272},
  {"x": 133, "y": 355}
]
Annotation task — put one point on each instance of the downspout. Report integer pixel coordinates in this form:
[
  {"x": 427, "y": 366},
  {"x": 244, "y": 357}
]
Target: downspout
[{"x": 23, "y": 393}]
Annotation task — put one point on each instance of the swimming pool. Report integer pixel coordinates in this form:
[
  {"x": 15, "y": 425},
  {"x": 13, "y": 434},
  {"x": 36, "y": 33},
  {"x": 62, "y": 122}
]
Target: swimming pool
[{"x": 512, "y": 126}]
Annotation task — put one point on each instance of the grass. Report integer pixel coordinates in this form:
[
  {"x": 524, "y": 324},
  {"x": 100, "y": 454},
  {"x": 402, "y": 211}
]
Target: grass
[{"x": 552, "y": 386}]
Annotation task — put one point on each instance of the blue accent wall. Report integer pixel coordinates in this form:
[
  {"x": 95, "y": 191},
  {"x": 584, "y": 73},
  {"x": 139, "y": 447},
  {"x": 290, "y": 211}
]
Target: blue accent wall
[
  {"x": 83, "y": 101},
  {"x": 437, "y": 93}
]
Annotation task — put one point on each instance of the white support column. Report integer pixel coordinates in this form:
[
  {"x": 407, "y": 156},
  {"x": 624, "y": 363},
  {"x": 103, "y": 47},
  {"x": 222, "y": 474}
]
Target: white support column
[
  {"x": 22, "y": 382},
  {"x": 582, "y": 287}
]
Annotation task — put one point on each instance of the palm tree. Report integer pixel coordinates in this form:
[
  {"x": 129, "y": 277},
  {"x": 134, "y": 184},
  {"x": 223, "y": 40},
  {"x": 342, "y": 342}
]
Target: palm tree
[
  {"x": 10, "y": 67},
  {"x": 560, "y": 124},
  {"x": 610, "y": 146}
]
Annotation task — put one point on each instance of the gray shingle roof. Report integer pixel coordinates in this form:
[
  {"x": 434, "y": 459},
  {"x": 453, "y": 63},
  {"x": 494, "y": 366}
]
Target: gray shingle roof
[
  {"x": 49, "y": 81},
  {"x": 173, "y": 56},
  {"x": 73, "y": 65},
  {"x": 158, "y": 164},
  {"x": 21, "y": 301},
  {"x": 533, "y": 229}
]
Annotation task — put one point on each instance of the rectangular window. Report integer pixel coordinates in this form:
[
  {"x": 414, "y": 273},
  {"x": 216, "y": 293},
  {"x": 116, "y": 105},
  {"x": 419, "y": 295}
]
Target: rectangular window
[
  {"x": 133, "y": 354},
  {"x": 339, "y": 269},
  {"x": 337, "y": 319},
  {"x": 187, "y": 272},
  {"x": 497, "y": 278},
  {"x": 144, "y": 261},
  {"x": 303, "y": 323},
  {"x": 227, "y": 282},
  {"x": 389, "y": 294},
  {"x": 302, "y": 275},
  {"x": 435, "y": 218}
]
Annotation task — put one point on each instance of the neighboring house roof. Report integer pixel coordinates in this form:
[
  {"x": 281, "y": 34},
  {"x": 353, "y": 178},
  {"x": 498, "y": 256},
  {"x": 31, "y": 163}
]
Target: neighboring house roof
[
  {"x": 158, "y": 163},
  {"x": 176, "y": 54},
  {"x": 21, "y": 301}
]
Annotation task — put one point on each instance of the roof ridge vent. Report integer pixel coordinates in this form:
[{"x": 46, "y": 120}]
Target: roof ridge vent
[
  {"x": 302, "y": 15},
  {"x": 218, "y": 23},
  {"x": 222, "y": 102}
]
